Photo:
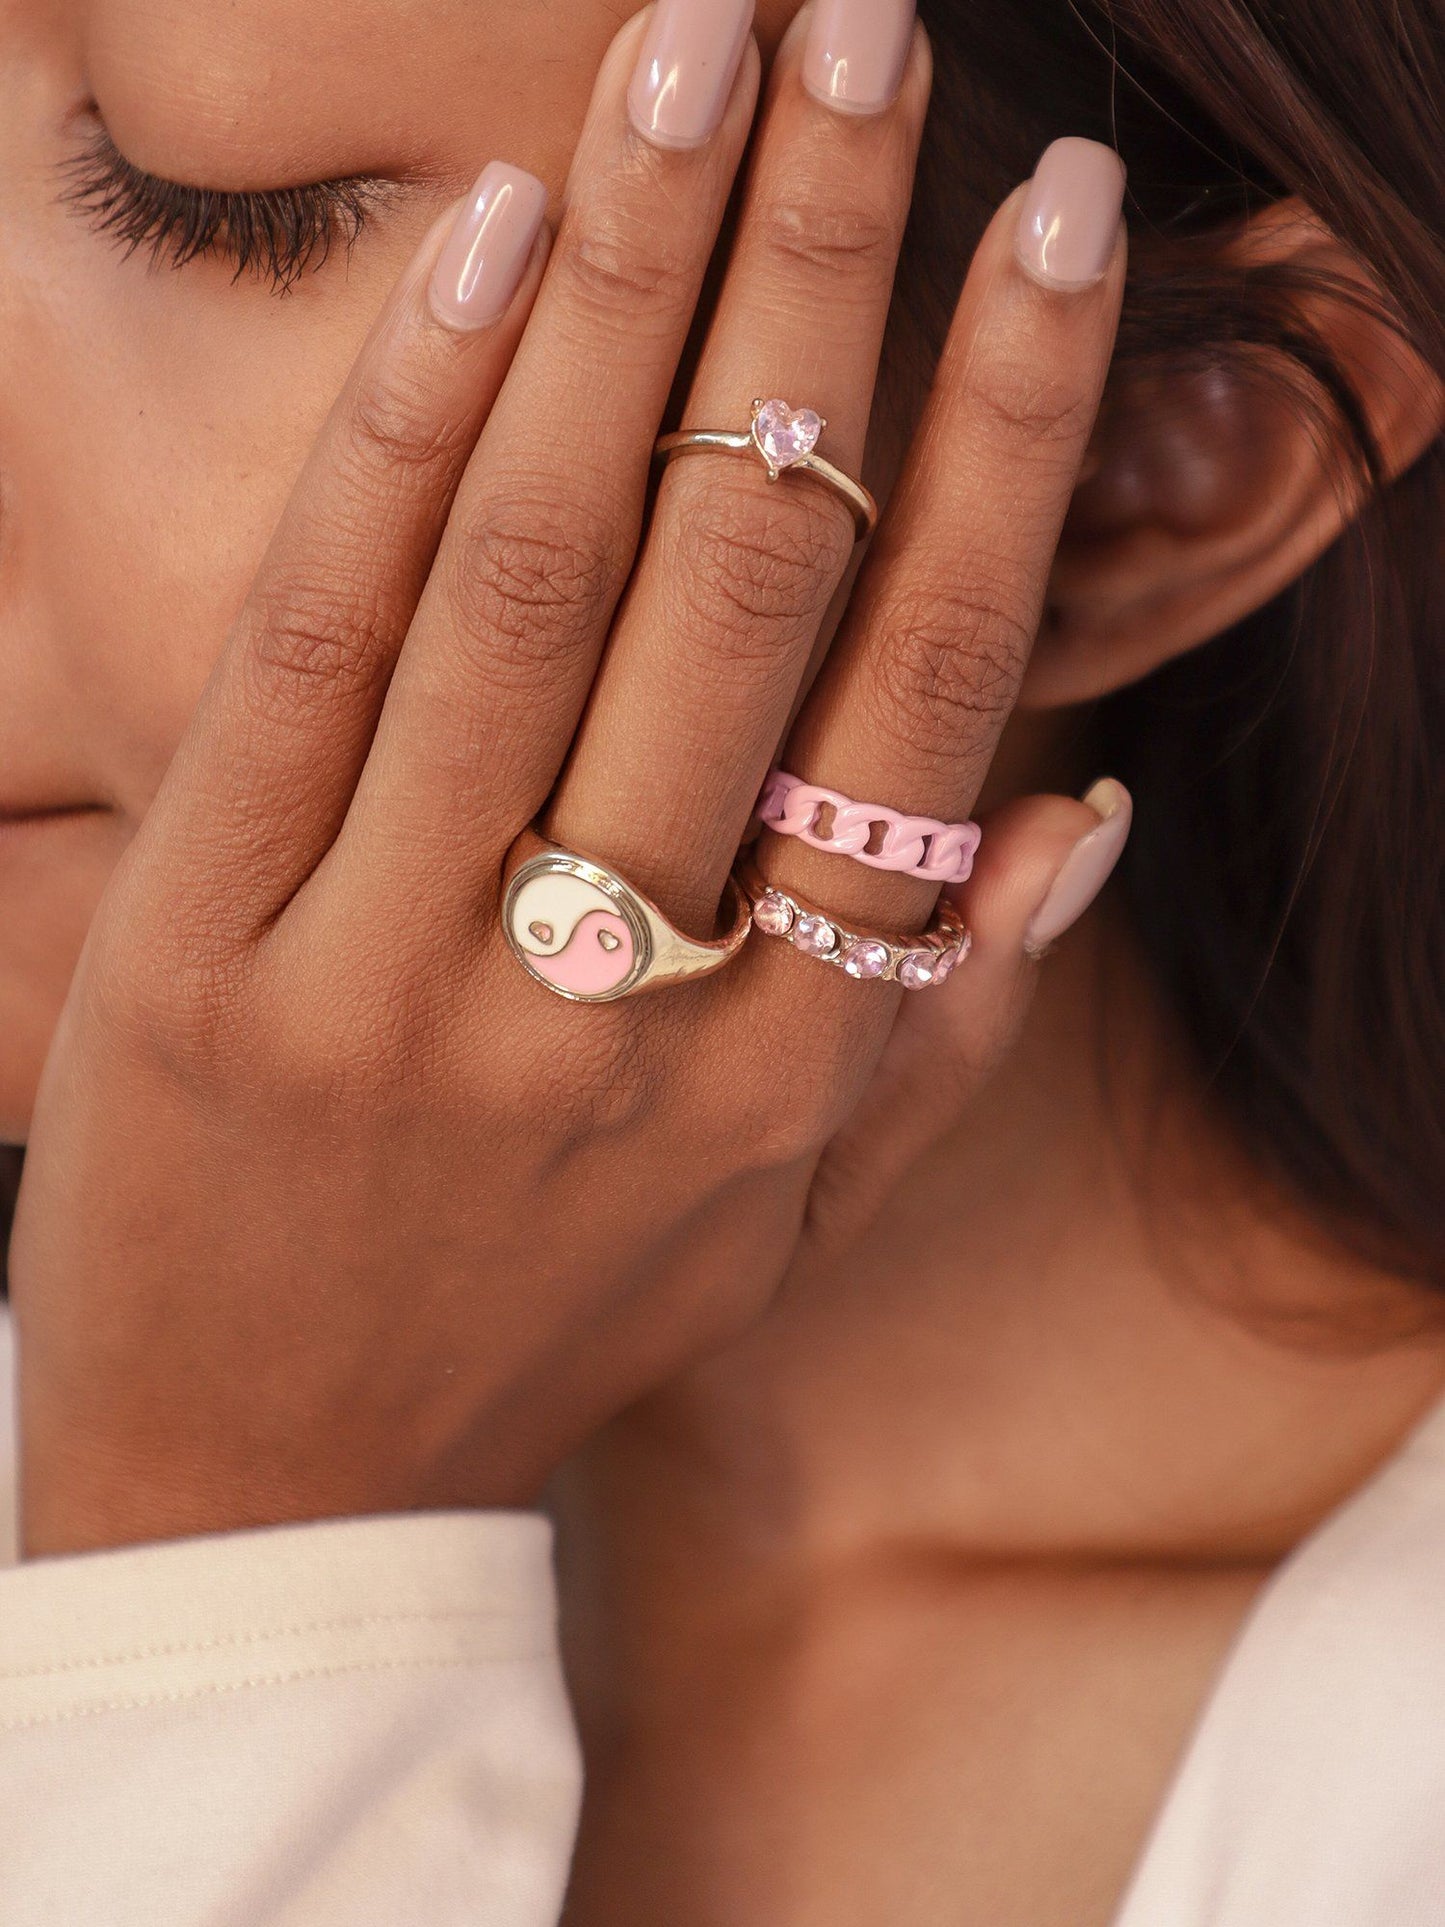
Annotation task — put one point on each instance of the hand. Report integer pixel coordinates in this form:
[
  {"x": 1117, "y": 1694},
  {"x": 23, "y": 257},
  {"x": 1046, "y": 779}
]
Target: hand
[{"x": 330, "y": 1208}]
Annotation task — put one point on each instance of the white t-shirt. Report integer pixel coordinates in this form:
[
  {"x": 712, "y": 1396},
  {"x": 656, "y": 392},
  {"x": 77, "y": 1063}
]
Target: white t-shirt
[{"x": 364, "y": 1724}]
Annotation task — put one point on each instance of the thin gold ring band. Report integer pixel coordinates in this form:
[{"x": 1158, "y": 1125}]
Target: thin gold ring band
[{"x": 785, "y": 440}]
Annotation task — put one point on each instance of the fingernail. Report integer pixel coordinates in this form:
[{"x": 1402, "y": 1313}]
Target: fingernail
[
  {"x": 485, "y": 256},
  {"x": 689, "y": 62},
  {"x": 1087, "y": 867},
  {"x": 857, "y": 53},
  {"x": 1069, "y": 222}
]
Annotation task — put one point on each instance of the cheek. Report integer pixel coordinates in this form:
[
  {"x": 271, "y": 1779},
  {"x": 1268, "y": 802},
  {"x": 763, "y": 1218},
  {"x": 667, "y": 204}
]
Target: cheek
[
  {"x": 174, "y": 429},
  {"x": 151, "y": 427}
]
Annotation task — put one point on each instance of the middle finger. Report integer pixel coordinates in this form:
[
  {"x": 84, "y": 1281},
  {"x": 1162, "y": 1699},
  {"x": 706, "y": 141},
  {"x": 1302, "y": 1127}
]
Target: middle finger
[{"x": 738, "y": 574}]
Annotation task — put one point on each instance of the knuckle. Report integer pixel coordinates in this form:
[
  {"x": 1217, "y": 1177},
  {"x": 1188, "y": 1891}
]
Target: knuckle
[
  {"x": 618, "y": 261},
  {"x": 616, "y": 1101},
  {"x": 775, "y": 1128},
  {"x": 815, "y": 229},
  {"x": 306, "y": 1053},
  {"x": 395, "y": 424},
  {"x": 303, "y": 646},
  {"x": 949, "y": 666},
  {"x": 750, "y": 557},
  {"x": 177, "y": 1003},
  {"x": 319, "y": 1059},
  {"x": 531, "y": 579},
  {"x": 355, "y": 1044},
  {"x": 608, "y": 1098},
  {"x": 1030, "y": 403}
]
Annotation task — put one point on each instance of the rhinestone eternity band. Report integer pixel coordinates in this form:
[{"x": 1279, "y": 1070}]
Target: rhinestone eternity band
[{"x": 917, "y": 963}]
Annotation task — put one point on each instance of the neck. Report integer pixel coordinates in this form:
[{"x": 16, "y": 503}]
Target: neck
[{"x": 1082, "y": 1329}]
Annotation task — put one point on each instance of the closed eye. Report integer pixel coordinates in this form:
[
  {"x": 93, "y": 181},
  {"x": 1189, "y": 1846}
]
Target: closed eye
[{"x": 277, "y": 235}]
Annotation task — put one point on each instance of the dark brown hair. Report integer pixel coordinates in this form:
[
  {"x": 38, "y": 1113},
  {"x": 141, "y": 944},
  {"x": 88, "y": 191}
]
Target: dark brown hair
[
  {"x": 1287, "y": 875},
  {"x": 9, "y": 1186}
]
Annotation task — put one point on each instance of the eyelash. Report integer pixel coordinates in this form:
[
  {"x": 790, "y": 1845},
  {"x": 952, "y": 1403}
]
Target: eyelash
[{"x": 277, "y": 236}]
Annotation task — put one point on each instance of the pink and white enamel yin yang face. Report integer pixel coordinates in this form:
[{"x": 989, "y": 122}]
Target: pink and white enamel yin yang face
[{"x": 569, "y": 932}]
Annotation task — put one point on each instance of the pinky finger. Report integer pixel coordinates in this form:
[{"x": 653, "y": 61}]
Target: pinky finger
[{"x": 1042, "y": 863}]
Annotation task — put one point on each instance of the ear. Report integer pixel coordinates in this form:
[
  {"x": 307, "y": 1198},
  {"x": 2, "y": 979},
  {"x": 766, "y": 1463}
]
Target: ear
[{"x": 1205, "y": 497}]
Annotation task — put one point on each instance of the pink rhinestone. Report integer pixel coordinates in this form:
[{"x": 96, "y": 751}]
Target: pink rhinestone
[
  {"x": 774, "y": 914},
  {"x": 866, "y": 959},
  {"x": 816, "y": 936},
  {"x": 951, "y": 959},
  {"x": 786, "y": 436},
  {"x": 918, "y": 970}
]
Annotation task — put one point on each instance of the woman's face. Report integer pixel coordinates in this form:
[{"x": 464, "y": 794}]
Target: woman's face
[{"x": 153, "y": 417}]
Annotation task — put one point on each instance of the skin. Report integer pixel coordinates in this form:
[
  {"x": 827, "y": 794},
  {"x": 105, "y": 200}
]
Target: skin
[
  {"x": 170, "y": 416},
  {"x": 845, "y": 1530}
]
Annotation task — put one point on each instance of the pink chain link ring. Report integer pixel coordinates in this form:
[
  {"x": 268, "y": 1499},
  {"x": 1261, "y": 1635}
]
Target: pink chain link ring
[{"x": 918, "y": 846}]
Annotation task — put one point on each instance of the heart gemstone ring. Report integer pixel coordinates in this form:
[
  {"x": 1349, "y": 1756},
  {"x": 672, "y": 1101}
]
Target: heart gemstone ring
[
  {"x": 583, "y": 931},
  {"x": 917, "y": 963},
  {"x": 785, "y": 440}
]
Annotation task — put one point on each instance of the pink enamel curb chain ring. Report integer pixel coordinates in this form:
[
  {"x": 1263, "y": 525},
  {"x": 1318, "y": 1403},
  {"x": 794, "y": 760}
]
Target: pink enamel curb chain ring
[{"x": 918, "y": 846}]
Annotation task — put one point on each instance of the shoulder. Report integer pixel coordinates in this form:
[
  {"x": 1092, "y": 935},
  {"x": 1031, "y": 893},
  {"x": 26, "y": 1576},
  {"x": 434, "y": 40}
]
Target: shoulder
[{"x": 1314, "y": 1786}]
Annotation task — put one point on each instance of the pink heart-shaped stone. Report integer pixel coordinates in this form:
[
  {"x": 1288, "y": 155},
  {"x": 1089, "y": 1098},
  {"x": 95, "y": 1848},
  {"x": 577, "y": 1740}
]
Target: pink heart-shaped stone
[{"x": 786, "y": 435}]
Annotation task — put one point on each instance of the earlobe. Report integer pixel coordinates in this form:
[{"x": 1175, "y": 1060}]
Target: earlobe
[{"x": 1206, "y": 494}]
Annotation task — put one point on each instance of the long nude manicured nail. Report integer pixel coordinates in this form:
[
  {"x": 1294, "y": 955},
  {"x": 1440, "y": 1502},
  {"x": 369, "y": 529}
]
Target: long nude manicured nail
[
  {"x": 485, "y": 256},
  {"x": 857, "y": 53},
  {"x": 689, "y": 62},
  {"x": 1087, "y": 867},
  {"x": 1069, "y": 222}
]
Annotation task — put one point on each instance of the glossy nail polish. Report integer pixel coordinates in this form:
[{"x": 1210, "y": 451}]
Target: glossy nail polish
[
  {"x": 485, "y": 256},
  {"x": 1069, "y": 221},
  {"x": 857, "y": 53},
  {"x": 685, "y": 76},
  {"x": 1087, "y": 868}
]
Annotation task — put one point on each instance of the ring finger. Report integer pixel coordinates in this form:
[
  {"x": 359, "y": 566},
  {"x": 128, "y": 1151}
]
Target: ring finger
[{"x": 927, "y": 666}]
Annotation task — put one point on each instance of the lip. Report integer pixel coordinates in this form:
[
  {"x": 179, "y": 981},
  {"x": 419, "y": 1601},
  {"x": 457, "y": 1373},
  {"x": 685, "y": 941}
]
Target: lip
[{"x": 17, "y": 818}]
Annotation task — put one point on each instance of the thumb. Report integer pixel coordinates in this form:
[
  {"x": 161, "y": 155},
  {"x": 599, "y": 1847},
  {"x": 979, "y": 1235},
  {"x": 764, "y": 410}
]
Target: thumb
[{"x": 1043, "y": 861}]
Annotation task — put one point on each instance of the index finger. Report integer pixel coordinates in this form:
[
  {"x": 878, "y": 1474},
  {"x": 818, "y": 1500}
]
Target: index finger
[
  {"x": 927, "y": 666},
  {"x": 263, "y": 779}
]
